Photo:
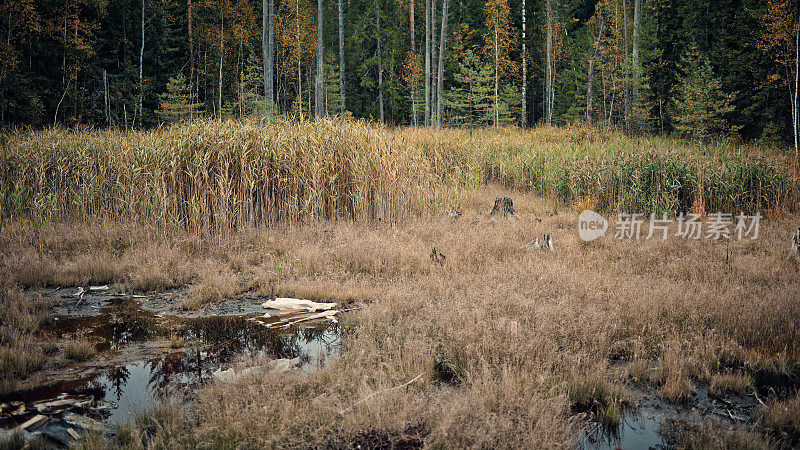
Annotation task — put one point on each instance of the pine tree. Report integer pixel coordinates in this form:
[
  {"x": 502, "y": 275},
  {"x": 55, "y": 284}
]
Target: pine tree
[
  {"x": 700, "y": 103},
  {"x": 251, "y": 84},
  {"x": 471, "y": 99},
  {"x": 175, "y": 103}
]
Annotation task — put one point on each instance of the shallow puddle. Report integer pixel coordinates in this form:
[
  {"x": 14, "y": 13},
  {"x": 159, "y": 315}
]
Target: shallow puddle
[
  {"x": 642, "y": 427},
  {"x": 639, "y": 429},
  {"x": 143, "y": 356}
]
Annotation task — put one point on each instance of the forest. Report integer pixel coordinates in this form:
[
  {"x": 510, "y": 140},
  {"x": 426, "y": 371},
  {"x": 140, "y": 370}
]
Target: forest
[{"x": 691, "y": 67}]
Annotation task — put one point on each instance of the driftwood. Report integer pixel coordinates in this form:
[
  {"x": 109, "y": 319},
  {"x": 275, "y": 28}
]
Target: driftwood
[
  {"x": 276, "y": 365},
  {"x": 343, "y": 411},
  {"x": 285, "y": 303},
  {"x": 33, "y": 422}
]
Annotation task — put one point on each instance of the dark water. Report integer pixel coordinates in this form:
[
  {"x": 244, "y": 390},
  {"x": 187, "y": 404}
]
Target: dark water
[
  {"x": 643, "y": 427},
  {"x": 121, "y": 328},
  {"x": 639, "y": 429}
]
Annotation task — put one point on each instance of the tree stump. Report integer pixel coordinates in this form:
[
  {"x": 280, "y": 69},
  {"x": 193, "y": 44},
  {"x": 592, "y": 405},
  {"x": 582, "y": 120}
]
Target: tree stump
[{"x": 503, "y": 206}]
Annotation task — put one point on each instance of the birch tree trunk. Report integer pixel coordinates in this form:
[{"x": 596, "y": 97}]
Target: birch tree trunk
[
  {"x": 496, "y": 74},
  {"x": 427, "y": 62},
  {"x": 141, "y": 60},
  {"x": 221, "y": 52},
  {"x": 637, "y": 6},
  {"x": 341, "y": 59},
  {"x": 318, "y": 82},
  {"x": 298, "y": 47},
  {"x": 796, "y": 83},
  {"x": 589, "y": 91},
  {"x": 524, "y": 72},
  {"x": 548, "y": 103},
  {"x": 413, "y": 62},
  {"x": 380, "y": 62},
  {"x": 267, "y": 44},
  {"x": 590, "y": 78},
  {"x": 440, "y": 76},
  {"x": 626, "y": 91},
  {"x": 105, "y": 98},
  {"x": 191, "y": 58},
  {"x": 434, "y": 62}
]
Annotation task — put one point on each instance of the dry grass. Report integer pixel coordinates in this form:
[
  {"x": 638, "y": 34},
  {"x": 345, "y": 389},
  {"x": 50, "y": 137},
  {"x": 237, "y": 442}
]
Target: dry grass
[
  {"x": 213, "y": 176},
  {"x": 510, "y": 343},
  {"x": 783, "y": 417},
  {"x": 730, "y": 383},
  {"x": 215, "y": 284},
  {"x": 21, "y": 351},
  {"x": 686, "y": 436},
  {"x": 79, "y": 350}
]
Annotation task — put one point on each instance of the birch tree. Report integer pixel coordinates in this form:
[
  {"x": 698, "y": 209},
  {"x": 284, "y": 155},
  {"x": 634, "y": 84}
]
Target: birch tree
[
  {"x": 781, "y": 39},
  {"x": 141, "y": 65},
  {"x": 524, "y": 72},
  {"x": 318, "y": 100},
  {"x": 380, "y": 63},
  {"x": 221, "y": 54},
  {"x": 427, "y": 62},
  {"x": 637, "y": 6},
  {"x": 626, "y": 91},
  {"x": 440, "y": 76},
  {"x": 548, "y": 79},
  {"x": 413, "y": 59},
  {"x": 268, "y": 42},
  {"x": 341, "y": 59},
  {"x": 434, "y": 62}
]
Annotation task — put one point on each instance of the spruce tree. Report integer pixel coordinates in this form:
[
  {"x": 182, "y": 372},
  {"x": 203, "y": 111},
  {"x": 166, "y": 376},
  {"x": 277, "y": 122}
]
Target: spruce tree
[
  {"x": 700, "y": 103},
  {"x": 175, "y": 103}
]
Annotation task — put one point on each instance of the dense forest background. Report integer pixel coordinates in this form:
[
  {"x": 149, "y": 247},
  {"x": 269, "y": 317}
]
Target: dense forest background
[{"x": 696, "y": 67}]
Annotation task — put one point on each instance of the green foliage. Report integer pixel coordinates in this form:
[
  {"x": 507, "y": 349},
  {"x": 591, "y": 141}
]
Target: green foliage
[
  {"x": 701, "y": 106},
  {"x": 176, "y": 104},
  {"x": 251, "y": 88},
  {"x": 470, "y": 99}
]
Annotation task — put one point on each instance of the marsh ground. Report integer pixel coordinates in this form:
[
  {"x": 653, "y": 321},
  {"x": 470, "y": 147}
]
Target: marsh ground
[{"x": 506, "y": 345}]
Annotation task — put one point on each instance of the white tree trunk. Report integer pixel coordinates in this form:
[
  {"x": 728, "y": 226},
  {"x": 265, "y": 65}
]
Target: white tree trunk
[
  {"x": 796, "y": 83},
  {"x": 427, "y": 62},
  {"x": 268, "y": 42},
  {"x": 434, "y": 62},
  {"x": 341, "y": 59},
  {"x": 141, "y": 61},
  {"x": 318, "y": 100},
  {"x": 380, "y": 62},
  {"x": 221, "y": 52},
  {"x": 299, "y": 73},
  {"x": 637, "y": 6},
  {"x": 440, "y": 76},
  {"x": 496, "y": 74},
  {"x": 413, "y": 61},
  {"x": 625, "y": 84},
  {"x": 524, "y": 72},
  {"x": 548, "y": 101}
]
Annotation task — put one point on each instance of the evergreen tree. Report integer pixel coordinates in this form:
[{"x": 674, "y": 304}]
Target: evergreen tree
[
  {"x": 175, "y": 103},
  {"x": 700, "y": 103},
  {"x": 252, "y": 83},
  {"x": 470, "y": 100}
]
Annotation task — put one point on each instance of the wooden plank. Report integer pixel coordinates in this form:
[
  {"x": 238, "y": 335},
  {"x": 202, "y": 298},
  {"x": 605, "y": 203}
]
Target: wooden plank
[{"x": 32, "y": 422}]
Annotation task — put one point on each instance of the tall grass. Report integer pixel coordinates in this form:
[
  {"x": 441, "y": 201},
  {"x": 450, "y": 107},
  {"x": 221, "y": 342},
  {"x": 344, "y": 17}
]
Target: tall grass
[{"x": 209, "y": 175}]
